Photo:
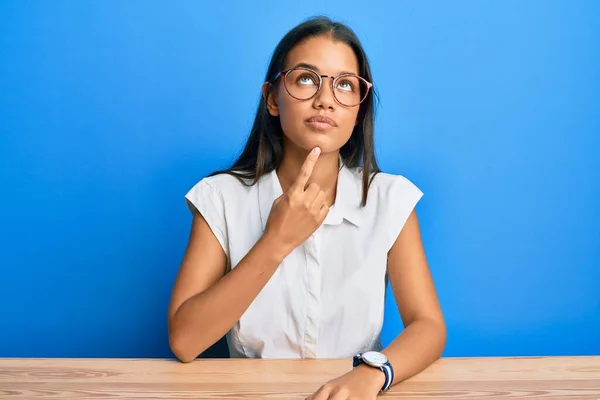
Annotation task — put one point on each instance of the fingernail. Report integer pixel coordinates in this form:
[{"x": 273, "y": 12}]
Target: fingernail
[{"x": 316, "y": 151}]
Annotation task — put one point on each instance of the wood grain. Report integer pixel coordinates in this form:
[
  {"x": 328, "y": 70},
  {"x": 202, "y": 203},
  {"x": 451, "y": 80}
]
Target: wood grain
[{"x": 452, "y": 378}]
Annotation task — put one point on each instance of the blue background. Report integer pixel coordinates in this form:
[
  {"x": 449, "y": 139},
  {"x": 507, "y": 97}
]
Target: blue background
[{"x": 111, "y": 111}]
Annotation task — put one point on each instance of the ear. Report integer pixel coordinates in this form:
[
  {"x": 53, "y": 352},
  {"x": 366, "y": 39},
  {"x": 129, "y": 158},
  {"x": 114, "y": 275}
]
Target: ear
[{"x": 270, "y": 99}]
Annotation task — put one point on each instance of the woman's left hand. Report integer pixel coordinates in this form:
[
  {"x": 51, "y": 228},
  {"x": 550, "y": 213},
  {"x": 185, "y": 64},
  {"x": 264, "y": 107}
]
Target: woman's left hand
[{"x": 362, "y": 383}]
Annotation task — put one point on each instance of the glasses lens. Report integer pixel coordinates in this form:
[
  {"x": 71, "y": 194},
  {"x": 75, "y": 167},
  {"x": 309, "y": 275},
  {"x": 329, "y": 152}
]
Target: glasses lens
[
  {"x": 302, "y": 84},
  {"x": 350, "y": 90}
]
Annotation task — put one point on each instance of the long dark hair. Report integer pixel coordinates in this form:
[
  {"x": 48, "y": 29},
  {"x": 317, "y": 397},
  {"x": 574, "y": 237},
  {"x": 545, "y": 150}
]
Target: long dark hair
[{"x": 264, "y": 149}]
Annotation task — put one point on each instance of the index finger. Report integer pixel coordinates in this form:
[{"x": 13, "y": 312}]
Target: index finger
[{"x": 306, "y": 170}]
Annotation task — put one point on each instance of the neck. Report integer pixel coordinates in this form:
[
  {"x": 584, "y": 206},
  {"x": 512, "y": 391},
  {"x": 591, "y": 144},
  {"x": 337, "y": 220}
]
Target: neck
[{"x": 325, "y": 172}]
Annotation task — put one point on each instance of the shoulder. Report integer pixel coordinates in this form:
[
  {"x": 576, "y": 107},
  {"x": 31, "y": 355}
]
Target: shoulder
[
  {"x": 215, "y": 197},
  {"x": 395, "y": 186},
  {"x": 222, "y": 187},
  {"x": 226, "y": 184},
  {"x": 217, "y": 191},
  {"x": 387, "y": 186},
  {"x": 390, "y": 200}
]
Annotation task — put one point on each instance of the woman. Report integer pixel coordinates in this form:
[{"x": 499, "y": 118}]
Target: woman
[{"x": 291, "y": 248}]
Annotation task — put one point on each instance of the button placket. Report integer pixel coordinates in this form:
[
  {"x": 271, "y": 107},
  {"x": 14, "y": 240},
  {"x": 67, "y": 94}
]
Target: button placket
[{"x": 313, "y": 307}]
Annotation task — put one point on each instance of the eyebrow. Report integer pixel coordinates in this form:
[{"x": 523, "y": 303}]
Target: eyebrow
[{"x": 314, "y": 67}]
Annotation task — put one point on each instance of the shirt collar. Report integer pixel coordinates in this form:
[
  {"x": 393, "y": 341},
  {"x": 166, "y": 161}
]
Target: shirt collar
[{"x": 347, "y": 203}]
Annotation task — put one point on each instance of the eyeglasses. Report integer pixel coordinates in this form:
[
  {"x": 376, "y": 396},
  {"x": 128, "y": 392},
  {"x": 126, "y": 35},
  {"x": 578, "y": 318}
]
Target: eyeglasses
[{"x": 303, "y": 84}]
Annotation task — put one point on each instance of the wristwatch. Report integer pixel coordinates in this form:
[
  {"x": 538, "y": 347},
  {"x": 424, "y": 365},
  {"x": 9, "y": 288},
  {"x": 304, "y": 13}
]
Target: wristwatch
[{"x": 376, "y": 359}]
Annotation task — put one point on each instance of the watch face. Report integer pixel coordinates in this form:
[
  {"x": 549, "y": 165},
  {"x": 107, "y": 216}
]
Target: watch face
[{"x": 375, "y": 358}]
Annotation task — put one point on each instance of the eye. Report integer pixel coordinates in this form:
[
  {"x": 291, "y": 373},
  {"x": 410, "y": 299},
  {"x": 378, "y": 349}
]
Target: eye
[
  {"x": 306, "y": 79},
  {"x": 346, "y": 85}
]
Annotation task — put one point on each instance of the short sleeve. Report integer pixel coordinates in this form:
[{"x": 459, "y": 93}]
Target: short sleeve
[
  {"x": 208, "y": 201},
  {"x": 403, "y": 198}
]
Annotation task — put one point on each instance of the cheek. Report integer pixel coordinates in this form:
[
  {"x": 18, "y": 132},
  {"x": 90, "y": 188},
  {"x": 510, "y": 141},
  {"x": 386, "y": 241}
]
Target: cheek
[
  {"x": 351, "y": 118},
  {"x": 292, "y": 114},
  {"x": 347, "y": 122}
]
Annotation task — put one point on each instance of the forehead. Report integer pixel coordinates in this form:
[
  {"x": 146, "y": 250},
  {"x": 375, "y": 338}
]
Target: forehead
[{"x": 329, "y": 55}]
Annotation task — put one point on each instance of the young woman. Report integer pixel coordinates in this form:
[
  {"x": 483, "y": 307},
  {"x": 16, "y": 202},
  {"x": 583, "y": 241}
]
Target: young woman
[{"x": 291, "y": 248}]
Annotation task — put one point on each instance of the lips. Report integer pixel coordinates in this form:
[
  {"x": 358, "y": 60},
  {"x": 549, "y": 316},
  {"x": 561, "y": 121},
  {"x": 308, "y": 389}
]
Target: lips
[{"x": 321, "y": 120}]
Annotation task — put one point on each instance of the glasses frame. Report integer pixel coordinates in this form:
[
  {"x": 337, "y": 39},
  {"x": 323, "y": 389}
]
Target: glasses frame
[{"x": 334, "y": 79}]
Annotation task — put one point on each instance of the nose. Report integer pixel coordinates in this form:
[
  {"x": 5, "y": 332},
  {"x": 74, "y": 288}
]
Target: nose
[{"x": 325, "y": 98}]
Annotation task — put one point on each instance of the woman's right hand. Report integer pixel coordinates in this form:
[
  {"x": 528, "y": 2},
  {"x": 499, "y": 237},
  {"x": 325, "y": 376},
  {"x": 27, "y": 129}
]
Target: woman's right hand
[{"x": 298, "y": 212}]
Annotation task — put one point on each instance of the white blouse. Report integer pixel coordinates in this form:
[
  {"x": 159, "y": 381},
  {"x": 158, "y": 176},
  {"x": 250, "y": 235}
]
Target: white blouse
[{"x": 326, "y": 299}]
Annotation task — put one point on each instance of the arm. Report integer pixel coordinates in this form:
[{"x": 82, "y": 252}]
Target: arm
[
  {"x": 206, "y": 302},
  {"x": 424, "y": 336}
]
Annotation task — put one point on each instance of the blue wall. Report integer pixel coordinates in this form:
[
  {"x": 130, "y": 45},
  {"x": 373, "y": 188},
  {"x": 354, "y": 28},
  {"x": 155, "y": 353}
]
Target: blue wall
[{"x": 110, "y": 113}]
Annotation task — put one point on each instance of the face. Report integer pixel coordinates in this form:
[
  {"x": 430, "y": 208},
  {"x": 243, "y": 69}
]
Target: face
[
  {"x": 328, "y": 57},
  {"x": 374, "y": 358}
]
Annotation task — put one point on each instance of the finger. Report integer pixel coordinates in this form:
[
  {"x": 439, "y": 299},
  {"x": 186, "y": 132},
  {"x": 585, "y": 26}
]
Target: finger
[
  {"x": 323, "y": 211},
  {"x": 321, "y": 394},
  {"x": 318, "y": 202},
  {"x": 306, "y": 170},
  {"x": 337, "y": 395},
  {"x": 311, "y": 193}
]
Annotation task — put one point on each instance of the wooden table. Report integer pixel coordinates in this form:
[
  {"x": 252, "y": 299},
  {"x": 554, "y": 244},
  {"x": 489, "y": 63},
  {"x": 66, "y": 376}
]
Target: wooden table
[{"x": 455, "y": 378}]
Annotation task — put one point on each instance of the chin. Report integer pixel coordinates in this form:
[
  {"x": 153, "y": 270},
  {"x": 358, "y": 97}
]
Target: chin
[
  {"x": 323, "y": 141},
  {"x": 309, "y": 140},
  {"x": 325, "y": 146}
]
